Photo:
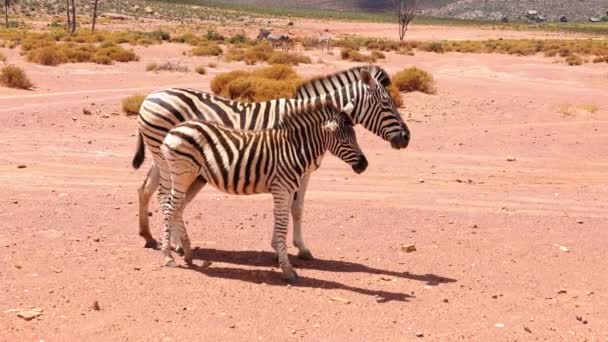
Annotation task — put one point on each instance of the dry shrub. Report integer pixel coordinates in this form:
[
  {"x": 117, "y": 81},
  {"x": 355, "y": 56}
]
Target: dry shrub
[
  {"x": 56, "y": 54},
  {"x": 2, "y": 58},
  {"x": 250, "y": 55},
  {"x": 200, "y": 70},
  {"x": 356, "y": 56},
  {"x": 167, "y": 66},
  {"x": 212, "y": 65},
  {"x": 414, "y": 79},
  {"x": 600, "y": 59},
  {"x": 152, "y": 67},
  {"x": 131, "y": 104},
  {"x": 288, "y": 58},
  {"x": 378, "y": 54},
  {"x": 395, "y": 95},
  {"x": 574, "y": 60},
  {"x": 14, "y": 77},
  {"x": 210, "y": 49},
  {"x": 271, "y": 82}
]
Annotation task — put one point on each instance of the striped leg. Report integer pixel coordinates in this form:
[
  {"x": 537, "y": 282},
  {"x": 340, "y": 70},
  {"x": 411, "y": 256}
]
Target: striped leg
[
  {"x": 193, "y": 190},
  {"x": 282, "y": 199},
  {"x": 173, "y": 223},
  {"x": 297, "y": 210},
  {"x": 145, "y": 191}
]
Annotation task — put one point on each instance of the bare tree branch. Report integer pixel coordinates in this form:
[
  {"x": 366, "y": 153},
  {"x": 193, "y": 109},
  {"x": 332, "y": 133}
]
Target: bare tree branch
[
  {"x": 7, "y": 5},
  {"x": 406, "y": 12}
]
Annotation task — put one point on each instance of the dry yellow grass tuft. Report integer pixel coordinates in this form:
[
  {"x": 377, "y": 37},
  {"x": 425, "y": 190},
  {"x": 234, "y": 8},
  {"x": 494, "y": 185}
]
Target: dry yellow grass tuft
[
  {"x": 2, "y": 58},
  {"x": 207, "y": 49},
  {"x": 264, "y": 53},
  {"x": 14, "y": 77},
  {"x": 356, "y": 56},
  {"x": 275, "y": 81},
  {"x": 414, "y": 79},
  {"x": 55, "y": 54},
  {"x": 131, "y": 104}
]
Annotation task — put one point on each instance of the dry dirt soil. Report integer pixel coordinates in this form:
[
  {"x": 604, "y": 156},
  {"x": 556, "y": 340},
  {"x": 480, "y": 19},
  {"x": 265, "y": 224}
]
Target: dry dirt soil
[{"x": 505, "y": 250}]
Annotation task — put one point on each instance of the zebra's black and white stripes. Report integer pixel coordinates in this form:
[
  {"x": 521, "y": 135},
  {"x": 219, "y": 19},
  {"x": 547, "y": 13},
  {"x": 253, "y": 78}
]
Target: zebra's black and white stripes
[
  {"x": 251, "y": 162},
  {"x": 163, "y": 110}
]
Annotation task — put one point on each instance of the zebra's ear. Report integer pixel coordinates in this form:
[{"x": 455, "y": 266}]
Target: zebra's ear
[
  {"x": 330, "y": 126},
  {"x": 368, "y": 79}
]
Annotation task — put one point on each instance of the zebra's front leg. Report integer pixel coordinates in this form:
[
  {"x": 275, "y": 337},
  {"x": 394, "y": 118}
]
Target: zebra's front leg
[
  {"x": 144, "y": 192},
  {"x": 297, "y": 210},
  {"x": 282, "y": 200}
]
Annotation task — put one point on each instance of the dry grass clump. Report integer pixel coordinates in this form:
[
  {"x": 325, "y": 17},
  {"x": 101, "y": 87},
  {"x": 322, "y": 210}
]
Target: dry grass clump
[
  {"x": 357, "y": 56},
  {"x": 2, "y": 58},
  {"x": 378, "y": 54},
  {"x": 207, "y": 49},
  {"x": 264, "y": 53},
  {"x": 167, "y": 66},
  {"x": 600, "y": 59},
  {"x": 14, "y": 77},
  {"x": 275, "y": 81},
  {"x": 131, "y": 104},
  {"x": 200, "y": 70},
  {"x": 414, "y": 79},
  {"x": 574, "y": 60},
  {"x": 212, "y": 65}
]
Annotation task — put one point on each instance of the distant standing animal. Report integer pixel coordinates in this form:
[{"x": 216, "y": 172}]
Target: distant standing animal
[
  {"x": 252, "y": 162},
  {"x": 275, "y": 40},
  {"x": 324, "y": 42}
]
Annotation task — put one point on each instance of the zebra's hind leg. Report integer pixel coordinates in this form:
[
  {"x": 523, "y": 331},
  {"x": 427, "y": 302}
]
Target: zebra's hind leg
[
  {"x": 145, "y": 191},
  {"x": 193, "y": 190},
  {"x": 297, "y": 210},
  {"x": 282, "y": 200}
]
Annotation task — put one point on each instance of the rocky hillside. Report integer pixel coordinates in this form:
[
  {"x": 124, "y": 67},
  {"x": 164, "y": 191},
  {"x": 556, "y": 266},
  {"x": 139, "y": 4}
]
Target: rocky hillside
[{"x": 516, "y": 9}]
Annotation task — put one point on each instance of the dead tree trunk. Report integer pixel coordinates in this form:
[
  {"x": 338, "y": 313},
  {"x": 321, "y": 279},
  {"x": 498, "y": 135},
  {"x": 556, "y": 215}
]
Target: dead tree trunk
[
  {"x": 68, "y": 27},
  {"x": 94, "y": 15},
  {"x": 7, "y": 5},
  {"x": 406, "y": 12},
  {"x": 73, "y": 17}
]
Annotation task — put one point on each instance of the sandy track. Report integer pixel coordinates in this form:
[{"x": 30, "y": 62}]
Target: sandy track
[{"x": 488, "y": 231}]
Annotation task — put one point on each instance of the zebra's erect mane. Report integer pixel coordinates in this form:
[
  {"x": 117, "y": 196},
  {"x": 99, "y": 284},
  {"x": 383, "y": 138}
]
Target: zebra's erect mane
[{"x": 352, "y": 75}]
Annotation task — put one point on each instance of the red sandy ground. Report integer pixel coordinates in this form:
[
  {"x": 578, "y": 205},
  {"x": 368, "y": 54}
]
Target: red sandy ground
[{"x": 488, "y": 232}]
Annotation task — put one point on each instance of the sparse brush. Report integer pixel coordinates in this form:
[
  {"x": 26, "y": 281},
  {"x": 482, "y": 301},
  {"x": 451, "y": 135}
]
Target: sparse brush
[
  {"x": 414, "y": 79},
  {"x": 212, "y": 65},
  {"x": 574, "y": 60},
  {"x": 378, "y": 54},
  {"x": 167, "y": 66},
  {"x": 200, "y": 70},
  {"x": 2, "y": 58},
  {"x": 48, "y": 55},
  {"x": 207, "y": 50},
  {"x": 213, "y": 35},
  {"x": 14, "y": 77},
  {"x": 131, "y": 104},
  {"x": 356, "y": 56},
  {"x": 239, "y": 38},
  {"x": 288, "y": 58}
]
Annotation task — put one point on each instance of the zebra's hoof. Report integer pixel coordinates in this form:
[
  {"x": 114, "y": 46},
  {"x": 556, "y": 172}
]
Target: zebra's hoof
[
  {"x": 151, "y": 244},
  {"x": 290, "y": 276},
  {"x": 188, "y": 261},
  {"x": 179, "y": 250},
  {"x": 170, "y": 263},
  {"x": 305, "y": 254}
]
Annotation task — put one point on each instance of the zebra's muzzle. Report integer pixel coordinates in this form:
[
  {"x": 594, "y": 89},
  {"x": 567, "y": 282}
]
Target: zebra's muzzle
[
  {"x": 361, "y": 165},
  {"x": 401, "y": 141}
]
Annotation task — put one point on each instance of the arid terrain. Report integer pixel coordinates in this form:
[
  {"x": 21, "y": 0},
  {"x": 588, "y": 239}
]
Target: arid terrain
[{"x": 503, "y": 191}]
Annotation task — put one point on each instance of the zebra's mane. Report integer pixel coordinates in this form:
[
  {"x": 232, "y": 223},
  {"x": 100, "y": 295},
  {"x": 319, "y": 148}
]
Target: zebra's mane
[
  {"x": 352, "y": 75},
  {"x": 314, "y": 110}
]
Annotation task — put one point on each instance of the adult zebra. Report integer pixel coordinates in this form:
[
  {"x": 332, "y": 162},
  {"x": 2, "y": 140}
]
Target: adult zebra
[
  {"x": 253, "y": 162},
  {"x": 162, "y": 110}
]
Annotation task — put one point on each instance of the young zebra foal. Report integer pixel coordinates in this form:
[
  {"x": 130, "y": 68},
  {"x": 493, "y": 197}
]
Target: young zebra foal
[{"x": 252, "y": 162}]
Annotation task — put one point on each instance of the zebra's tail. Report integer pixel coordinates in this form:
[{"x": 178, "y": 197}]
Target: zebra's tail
[{"x": 140, "y": 153}]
